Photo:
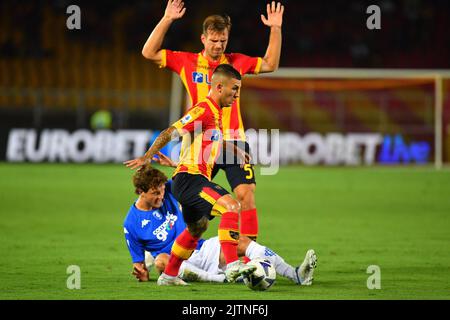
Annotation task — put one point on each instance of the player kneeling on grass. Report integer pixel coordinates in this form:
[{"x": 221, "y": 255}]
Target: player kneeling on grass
[{"x": 155, "y": 220}]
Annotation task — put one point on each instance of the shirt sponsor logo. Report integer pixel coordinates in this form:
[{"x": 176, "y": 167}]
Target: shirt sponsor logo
[
  {"x": 198, "y": 77},
  {"x": 163, "y": 230}
]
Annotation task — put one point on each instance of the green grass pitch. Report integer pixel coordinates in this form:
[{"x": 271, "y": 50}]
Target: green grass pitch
[{"x": 53, "y": 216}]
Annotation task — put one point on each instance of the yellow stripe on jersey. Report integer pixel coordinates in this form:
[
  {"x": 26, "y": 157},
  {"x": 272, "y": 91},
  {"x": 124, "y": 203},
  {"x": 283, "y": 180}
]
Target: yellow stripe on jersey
[
  {"x": 258, "y": 66},
  {"x": 202, "y": 68},
  {"x": 181, "y": 252},
  {"x": 163, "y": 63},
  {"x": 196, "y": 151},
  {"x": 224, "y": 59},
  {"x": 226, "y": 115},
  {"x": 241, "y": 124},
  {"x": 184, "y": 80},
  {"x": 216, "y": 147}
]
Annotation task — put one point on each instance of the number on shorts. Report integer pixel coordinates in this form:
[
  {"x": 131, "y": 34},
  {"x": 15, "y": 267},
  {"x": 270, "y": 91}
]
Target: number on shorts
[{"x": 248, "y": 168}]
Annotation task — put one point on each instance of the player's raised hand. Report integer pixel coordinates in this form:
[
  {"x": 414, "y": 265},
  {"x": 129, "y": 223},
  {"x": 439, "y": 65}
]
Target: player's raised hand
[
  {"x": 274, "y": 15},
  {"x": 135, "y": 163},
  {"x": 175, "y": 9},
  {"x": 164, "y": 160}
]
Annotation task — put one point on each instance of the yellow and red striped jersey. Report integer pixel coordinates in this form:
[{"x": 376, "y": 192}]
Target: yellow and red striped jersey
[
  {"x": 201, "y": 131},
  {"x": 196, "y": 70}
]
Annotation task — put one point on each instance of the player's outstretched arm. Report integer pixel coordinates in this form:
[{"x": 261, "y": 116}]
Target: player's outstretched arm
[
  {"x": 163, "y": 138},
  {"x": 274, "y": 20},
  {"x": 152, "y": 48}
]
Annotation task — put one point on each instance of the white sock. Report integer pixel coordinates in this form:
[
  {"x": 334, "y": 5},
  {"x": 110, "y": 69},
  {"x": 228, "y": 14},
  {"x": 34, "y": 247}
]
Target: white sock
[
  {"x": 202, "y": 274},
  {"x": 255, "y": 250}
]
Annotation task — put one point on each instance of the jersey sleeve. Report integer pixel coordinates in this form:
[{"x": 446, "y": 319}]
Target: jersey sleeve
[
  {"x": 173, "y": 60},
  {"x": 246, "y": 64},
  {"x": 168, "y": 186},
  {"x": 135, "y": 248},
  {"x": 187, "y": 123}
]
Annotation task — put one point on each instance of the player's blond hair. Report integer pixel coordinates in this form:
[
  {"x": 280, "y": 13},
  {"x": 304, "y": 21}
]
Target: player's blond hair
[{"x": 217, "y": 23}]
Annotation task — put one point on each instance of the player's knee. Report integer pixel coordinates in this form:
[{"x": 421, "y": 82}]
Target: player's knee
[
  {"x": 246, "y": 196},
  {"x": 161, "y": 261},
  {"x": 199, "y": 227},
  {"x": 232, "y": 205}
]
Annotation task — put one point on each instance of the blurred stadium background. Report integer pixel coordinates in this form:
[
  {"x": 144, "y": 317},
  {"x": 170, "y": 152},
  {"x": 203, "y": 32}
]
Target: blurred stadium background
[
  {"x": 339, "y": 85},
  {"x": 52, "y": 77}
]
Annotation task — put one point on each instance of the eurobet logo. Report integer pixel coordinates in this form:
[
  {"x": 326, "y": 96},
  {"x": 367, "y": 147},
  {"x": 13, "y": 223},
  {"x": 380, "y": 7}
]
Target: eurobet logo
[
  {"x": 395, "y": 150},
  {"x": 198, "y": 77},
  {"x": 340, "y": 149}
]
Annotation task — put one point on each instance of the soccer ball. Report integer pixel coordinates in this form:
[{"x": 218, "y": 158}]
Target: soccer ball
[{"x": 263, "y": 277}]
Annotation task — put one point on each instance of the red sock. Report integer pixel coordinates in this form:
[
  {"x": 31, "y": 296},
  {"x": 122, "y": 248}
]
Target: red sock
[
  {"x": 229, "y": 235},
  {"x": 182, "y": 249},
  {"x": 249, "y": 223},
  {"x": 249, "y": 226}
]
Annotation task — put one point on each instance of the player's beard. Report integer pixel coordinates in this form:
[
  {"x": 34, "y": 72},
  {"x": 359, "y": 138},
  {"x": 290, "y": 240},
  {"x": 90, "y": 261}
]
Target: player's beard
[{"x": 216, "y": 54}]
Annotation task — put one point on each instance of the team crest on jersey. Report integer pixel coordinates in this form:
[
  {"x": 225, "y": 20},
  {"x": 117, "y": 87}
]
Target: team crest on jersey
[
  {"x": 186, "y": 119},
  {"x": 157, "y": 215},
  {"x": 215, "y": 135}
]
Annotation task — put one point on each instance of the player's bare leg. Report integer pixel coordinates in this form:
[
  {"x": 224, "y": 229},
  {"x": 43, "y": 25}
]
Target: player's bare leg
[
  {"x": 161, "y": 261},
  {"x": 182, "y": 249}
]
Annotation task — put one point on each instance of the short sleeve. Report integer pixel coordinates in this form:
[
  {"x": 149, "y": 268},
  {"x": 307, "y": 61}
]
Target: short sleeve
[
  {"x": 246, "y": 64},
  {"x": 173, "y": 60},
  {"x": 187, "y": 123},
  {"x": 135, "y": 248}
]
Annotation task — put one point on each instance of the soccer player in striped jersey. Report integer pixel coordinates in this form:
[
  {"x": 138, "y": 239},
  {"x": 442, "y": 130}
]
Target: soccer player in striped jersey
[
  {"x": 195, "y": 71},
  {"x": 155, "y": 220},
  {"x": 201, "y": 199}
]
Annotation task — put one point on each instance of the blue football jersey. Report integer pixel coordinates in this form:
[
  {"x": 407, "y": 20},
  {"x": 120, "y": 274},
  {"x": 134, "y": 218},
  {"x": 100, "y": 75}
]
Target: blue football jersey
[{"x": 156, "y": 230}]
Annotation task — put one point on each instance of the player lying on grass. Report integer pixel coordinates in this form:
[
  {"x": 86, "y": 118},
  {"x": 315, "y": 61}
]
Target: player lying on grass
[{"x": 155, "y": 220}]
